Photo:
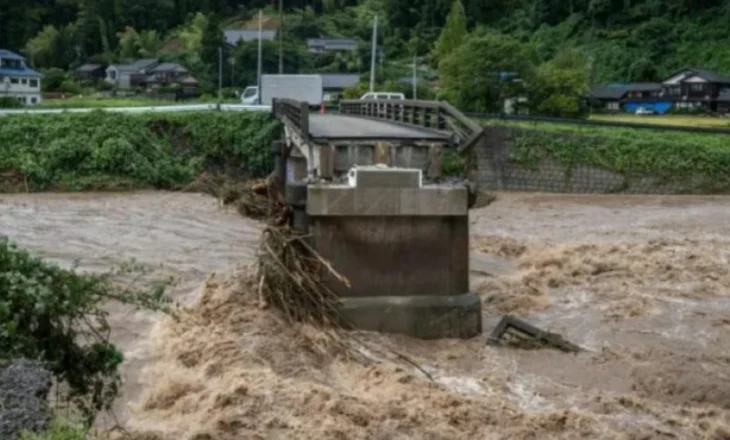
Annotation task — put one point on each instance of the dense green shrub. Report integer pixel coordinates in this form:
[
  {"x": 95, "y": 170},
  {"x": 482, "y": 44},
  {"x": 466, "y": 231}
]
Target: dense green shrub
[
  {"x": 57, "y": 317},
  {"x": 9, "y": 102},
  {"x": 103, "y": 150}
]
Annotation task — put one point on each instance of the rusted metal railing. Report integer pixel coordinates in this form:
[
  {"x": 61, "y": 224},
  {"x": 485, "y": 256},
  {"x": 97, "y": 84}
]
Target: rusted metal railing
[{"x": 435, "y": 115}]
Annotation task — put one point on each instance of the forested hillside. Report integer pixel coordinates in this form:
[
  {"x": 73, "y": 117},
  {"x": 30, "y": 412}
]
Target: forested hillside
[{"x": 609, "y": 40}]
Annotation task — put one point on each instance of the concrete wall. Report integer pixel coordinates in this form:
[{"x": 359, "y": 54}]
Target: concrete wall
[
  {"x": 396, "y": 256},
  {"x": 496, "y": 172}
]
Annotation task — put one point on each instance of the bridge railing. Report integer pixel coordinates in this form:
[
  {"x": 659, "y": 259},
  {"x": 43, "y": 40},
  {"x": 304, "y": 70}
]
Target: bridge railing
[
  {"x": 294, "y": 113},
  {"x": 435, "y": 115}
]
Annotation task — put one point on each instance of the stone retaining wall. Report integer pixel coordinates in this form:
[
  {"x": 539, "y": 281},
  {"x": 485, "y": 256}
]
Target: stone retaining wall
[
  {"x": 498, "y": 173},
  {"x": 24, "y": 388}
]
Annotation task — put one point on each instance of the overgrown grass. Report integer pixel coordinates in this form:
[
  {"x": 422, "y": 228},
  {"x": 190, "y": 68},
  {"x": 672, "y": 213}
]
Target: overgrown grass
[
  {"x": 60, "y": 429},
  {"x": 675, "y": 120},
  {"x": 694, "y": 163},
  {"x": 100, "y": 150}
]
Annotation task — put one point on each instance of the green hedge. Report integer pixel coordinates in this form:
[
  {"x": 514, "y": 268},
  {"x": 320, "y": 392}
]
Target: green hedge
[
  {"x": 102, "y": 150},
  {"x": 694, "y": 163}
]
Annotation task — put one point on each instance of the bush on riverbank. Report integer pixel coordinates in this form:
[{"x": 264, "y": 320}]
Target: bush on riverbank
[
  {"x": 102, "y": 150},
  {"x": 56, "y": 316}
]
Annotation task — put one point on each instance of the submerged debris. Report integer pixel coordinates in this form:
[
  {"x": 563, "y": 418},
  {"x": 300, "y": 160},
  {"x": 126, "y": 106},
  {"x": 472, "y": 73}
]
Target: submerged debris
[
  {"x": 530, "y": 336},
  {"x": 250, "y": 197}
]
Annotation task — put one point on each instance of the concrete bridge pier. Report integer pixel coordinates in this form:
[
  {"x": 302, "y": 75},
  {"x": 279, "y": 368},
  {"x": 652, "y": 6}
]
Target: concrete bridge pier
[
  {"x": 405, "y": 251},
  {"x": 369, "y": 194}
]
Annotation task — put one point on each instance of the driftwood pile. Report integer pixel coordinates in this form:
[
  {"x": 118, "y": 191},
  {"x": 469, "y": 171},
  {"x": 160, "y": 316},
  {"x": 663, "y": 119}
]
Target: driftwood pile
[{"x": 291, "y": 274}]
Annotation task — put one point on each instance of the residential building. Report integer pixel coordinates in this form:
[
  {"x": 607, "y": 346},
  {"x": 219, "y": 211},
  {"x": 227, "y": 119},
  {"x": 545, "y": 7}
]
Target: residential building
[
  {"x": 171, "y": 74},
  {"x": 90, "y": 72},
  {"x": 130, "y": 75},
  {"x": 687, "y": 89},
  {"x": 17, "y": 80},
  {"x": 233, "y": 37},
  {"x": 333, "y": 84},
  {"x": 324, "y": 45}
]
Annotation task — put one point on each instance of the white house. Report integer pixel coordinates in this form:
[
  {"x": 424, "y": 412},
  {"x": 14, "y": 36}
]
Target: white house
[
  {"x": 17, "y": 80},
  {"x": 126, "y": 76}
]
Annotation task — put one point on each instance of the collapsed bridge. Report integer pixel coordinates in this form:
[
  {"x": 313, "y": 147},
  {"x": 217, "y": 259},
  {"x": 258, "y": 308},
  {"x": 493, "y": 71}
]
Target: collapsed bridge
[{"x": 366, "y": 185}]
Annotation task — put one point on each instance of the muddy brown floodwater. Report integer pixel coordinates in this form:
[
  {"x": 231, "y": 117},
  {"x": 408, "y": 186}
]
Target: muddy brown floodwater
[{"x": 643, "y": 283}]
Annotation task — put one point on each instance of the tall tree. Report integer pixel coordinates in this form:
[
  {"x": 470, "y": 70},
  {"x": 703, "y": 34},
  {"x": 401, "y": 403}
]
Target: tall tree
[
  {"x": 211, "y": 42},
  {"x": 40, "y": 48},
  {"x": 558, "y": 85},
  {"x": 488, "y": 68},
  {"x": 454, "y": 32}
]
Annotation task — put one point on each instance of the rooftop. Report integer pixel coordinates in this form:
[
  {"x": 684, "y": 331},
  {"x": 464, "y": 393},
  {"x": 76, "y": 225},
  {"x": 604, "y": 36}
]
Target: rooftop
[
  {"x": 233, "y": 36},
  {"x": 90, "y": 67},
  {"x": 327, "y": 44},
  {"x": 169, "y": 67},
  {"x": 611, "y": 91},
  {"x": 709, "y": 75},
  {"x": 25, "y": 71},
  {"x": 136, "y": 65},
  {"x": 9, "y": 55},
  {"x": 339, "y": 80}
]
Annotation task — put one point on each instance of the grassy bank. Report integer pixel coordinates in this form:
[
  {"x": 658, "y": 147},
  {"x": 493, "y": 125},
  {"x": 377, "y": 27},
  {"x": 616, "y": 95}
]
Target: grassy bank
[
  {"x": 105, "y": 151},
  {"x": 674, "y": 120},
  {"x": 696, "y": 163}
]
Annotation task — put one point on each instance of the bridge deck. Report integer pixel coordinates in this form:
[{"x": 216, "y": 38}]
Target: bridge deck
[{"x": 351, "y": 127}]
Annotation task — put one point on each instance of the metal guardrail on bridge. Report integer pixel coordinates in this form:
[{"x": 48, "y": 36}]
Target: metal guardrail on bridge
[
  {"x": 293, "y": 113},
  {"x": 435, "y": 115}
]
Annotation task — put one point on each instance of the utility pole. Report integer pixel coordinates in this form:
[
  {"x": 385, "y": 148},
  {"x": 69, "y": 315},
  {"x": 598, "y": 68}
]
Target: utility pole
[
  {"x": 258, "y": 82},
  {"x": 232, "y": 60},
  {"x": 372, "y": 57},
  {"x": 415, "y": 78},
  {"x": 220, "y": 74},
  {"x": 281, "y": 36}
]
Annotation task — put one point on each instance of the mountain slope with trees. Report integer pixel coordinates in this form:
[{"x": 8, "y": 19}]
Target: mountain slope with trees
[{"x": 587, "y": 40}]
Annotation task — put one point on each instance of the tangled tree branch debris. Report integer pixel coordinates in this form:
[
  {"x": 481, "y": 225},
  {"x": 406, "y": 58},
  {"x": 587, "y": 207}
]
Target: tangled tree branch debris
[{"x": 291, "y": 275}]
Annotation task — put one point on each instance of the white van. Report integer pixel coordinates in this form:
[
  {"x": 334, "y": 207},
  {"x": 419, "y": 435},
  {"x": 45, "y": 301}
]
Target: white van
[
  {"x": 382, "y": 96},
  {"x": 250, "y": 96}
]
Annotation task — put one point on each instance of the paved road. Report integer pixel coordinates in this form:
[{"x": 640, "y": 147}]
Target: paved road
[{"x": 349, "y": 127}]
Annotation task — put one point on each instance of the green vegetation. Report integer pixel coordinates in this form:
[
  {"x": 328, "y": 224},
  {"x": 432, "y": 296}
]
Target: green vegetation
[
  {"x": 676, "y": 120},
  {"x": 60, "y": 430},
  {"x": 694, "y": 162},
  {"x": 57, "y": 316},
  {"x": 9, "y": 102},
  {"x": 638, "y": 40},
  {"x": 101, "y": 150}
]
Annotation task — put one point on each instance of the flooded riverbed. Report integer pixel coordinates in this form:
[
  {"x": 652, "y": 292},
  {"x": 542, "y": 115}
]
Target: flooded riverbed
[{"x": 641, "y": 282}]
